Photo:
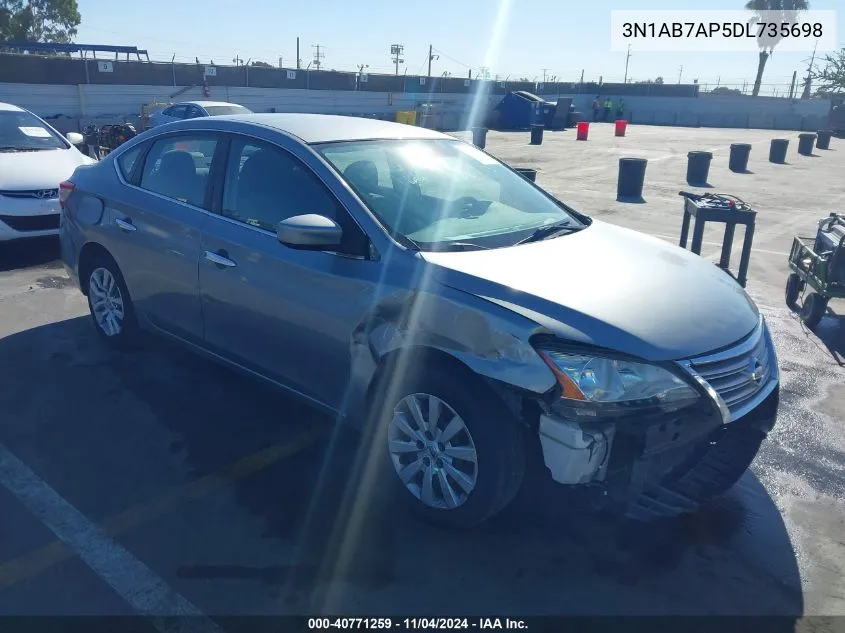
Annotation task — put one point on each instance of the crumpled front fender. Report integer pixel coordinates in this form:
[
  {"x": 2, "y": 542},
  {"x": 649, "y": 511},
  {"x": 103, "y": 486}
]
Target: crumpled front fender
[{"x": 488, "y": 339}]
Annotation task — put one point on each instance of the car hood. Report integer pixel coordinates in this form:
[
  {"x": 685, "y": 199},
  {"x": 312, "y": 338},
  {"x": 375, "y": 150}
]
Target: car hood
[
  {"x": 38, "y": 170},
  {"x": 610, "y": 287}
]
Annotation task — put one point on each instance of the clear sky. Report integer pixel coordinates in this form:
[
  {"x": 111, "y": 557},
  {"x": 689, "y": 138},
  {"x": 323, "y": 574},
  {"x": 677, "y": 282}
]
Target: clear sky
[{"x": 516, "y": 38}]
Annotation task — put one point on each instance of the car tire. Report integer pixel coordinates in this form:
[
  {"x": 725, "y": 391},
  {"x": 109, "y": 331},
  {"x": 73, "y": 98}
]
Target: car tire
[
  {"x": 794, "y": 286},
  {"x": 478, "y": 422},
  {"x": 110, "y": 304},
  {"x": 813, "y": 309}
]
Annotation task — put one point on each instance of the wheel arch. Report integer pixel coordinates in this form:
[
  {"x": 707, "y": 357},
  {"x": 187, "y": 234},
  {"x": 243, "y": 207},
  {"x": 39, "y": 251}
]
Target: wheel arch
[
  {"x": 89, "y": 254},
  {"x": 427, "y": 359}
]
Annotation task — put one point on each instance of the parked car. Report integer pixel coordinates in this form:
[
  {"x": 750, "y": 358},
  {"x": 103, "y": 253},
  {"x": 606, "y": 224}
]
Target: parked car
[
  {"x": 34, "y": 159},
  {"x": 410, "y": 283},
  {"x": 195, "y": 110}
]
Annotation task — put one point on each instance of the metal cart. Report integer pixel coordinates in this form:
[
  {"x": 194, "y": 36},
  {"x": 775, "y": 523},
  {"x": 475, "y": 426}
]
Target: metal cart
[{"x": 818, "y": 262}]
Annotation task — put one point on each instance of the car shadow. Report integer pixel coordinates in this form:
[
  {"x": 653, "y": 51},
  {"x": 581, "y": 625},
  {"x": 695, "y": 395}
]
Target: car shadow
[
  {"x": 29, "y": 252},
  {"x": 353, "y": 547}
]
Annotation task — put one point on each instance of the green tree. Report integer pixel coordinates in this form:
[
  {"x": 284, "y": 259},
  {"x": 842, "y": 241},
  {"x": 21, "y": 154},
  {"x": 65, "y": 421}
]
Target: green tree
[
  {"x": 768, "y": 11},
  {"x": 832, "y": 76},
  {"x": 39, "y": 20}
]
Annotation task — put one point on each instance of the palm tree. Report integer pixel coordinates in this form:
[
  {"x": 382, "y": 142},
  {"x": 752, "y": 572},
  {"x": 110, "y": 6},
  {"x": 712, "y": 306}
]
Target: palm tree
[{"x": 777, "y": 11}]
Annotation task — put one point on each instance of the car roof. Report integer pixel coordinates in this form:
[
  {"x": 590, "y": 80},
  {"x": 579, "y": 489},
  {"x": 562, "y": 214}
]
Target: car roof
[
  {"x": 325, "y": 128},
  {"x": 202, "y": 104},
  {"x": 8, "y": 107}
]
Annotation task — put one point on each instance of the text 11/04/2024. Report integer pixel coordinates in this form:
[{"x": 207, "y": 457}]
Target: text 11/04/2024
[
  {"x": 417, "y": 624},
  {"x": 723, "y": 31}
]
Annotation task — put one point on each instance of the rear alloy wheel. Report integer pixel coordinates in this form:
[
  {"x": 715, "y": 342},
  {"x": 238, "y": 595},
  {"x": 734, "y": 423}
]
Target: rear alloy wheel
[
  {"x": 794, "y": 286},
  {"x": 110, "y": 305},
  {"x": 456, "y": 453},
  {"x": 813, "y": 309}
]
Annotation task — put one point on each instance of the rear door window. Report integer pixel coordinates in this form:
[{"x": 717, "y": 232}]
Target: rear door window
[
  {"x": 178, "y": 112},
  {"x": 178, "y": 167},
  {"x": 127, "y": 160}
]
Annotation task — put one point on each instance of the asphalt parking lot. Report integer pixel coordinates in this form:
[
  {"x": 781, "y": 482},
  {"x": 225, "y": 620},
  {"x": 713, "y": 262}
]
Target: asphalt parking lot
[{"x": 178, "y": 482}]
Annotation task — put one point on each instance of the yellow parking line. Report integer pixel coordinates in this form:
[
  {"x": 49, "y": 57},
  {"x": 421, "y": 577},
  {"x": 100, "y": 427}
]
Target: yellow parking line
[{"x": 55, "y": 552}]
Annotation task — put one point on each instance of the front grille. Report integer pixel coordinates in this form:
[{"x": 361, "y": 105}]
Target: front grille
[
  {"x": 38, "y": 194},
  {"x": 739, "y": 373},
  {"x": 32, "y": 222}
]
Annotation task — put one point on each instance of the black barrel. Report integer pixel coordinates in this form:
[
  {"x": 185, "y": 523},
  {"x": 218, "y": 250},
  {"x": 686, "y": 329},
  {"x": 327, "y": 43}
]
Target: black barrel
[
  {"x": 479, "y": 137},
  {"x": 536, "y": 134},
  {"x": 777, "y": 151},
  {"x": 631, "y": 178},
  {"x": 698, "y": 167},
  {"x": 531, "y": 174},
  {"x": 739, "y": 157},
  {"x": 806, "y": 143},
  {"x": 823, "y": 140}
]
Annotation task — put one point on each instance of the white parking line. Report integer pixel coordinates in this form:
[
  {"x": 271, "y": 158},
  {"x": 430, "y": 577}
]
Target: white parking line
[{"x": 136, "y": 583}]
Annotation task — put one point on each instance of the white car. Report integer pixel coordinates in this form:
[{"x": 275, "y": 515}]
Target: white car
[
  {"x": 196, "y": 110},
  {"x": 34, "y": 159}
]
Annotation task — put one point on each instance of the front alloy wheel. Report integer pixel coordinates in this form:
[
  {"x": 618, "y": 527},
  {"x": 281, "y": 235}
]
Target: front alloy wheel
[{"x": 432, "y": 451}]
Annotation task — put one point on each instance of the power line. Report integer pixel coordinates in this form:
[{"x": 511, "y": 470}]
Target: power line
[{"x": 452, "y": 58}]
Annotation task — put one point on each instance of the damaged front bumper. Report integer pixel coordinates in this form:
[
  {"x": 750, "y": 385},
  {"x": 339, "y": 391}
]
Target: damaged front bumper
[{"x": 661, "y": 466}]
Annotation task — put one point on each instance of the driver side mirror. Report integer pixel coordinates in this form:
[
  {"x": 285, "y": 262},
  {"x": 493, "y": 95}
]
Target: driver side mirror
[
  {"x": 309, "y": 232},
  {"x": 75, "y": 138}
]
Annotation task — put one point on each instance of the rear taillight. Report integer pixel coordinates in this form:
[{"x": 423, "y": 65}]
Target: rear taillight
[{"x": 65, "y": 189}]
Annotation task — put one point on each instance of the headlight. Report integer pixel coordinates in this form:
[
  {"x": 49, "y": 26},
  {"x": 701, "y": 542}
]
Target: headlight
[{"x": 587, "y": 378}]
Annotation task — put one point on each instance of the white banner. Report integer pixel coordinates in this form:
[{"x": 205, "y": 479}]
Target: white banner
[{"x": 722, "y": 31}]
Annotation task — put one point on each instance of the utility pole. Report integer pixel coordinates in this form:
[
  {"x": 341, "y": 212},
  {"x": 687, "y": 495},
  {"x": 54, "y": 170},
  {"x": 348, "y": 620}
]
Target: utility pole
[
  {"x": 431, "y": 57},
  {"x": 361, "y": 68},
  {"x": 792, "y": 87},
  {"x": 396, "y": 50},
  {"x": 298, "y": 60},
  {"x": 627, "y": 59},
  {"x": 582, "y": 76},
  {"x": 545, "y": 70},
  {"x": 808, "y": 82},
  {"x": 318, "y": 55},
  {"x": 680, "y": 73}
]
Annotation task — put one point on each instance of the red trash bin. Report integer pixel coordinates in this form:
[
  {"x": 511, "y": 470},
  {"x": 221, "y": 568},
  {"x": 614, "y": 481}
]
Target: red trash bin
[
  {"x": 621, "y": 126},
  {"x": 583, "y": 130}
]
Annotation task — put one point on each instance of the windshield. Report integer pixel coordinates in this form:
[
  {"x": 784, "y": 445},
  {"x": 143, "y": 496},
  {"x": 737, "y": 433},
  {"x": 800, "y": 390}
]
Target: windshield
[
  {"x": 440, "y": 194},
  {"x": 220, "y": 110},
  {"x": 23, "y": 131}
]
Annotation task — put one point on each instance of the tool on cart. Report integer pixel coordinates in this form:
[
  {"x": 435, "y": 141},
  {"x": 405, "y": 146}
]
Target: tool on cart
[
  {"x": 725, "y": 209},
  {"x": 820, "y": 264}
]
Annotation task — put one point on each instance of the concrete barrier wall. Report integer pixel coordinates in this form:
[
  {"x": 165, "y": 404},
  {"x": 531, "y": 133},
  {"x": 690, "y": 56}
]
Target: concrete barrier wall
[
  {"x": 123, "y": 102},
  {"x": 716, "y": 111}
]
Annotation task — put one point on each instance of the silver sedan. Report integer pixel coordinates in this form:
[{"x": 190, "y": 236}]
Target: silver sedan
[{"x": 412, "y": 284}]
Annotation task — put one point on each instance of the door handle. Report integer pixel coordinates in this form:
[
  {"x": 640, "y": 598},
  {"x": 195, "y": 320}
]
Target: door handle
[
  {"x": 220, "y": 259},
  {"x": 125, "y": 225}
]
